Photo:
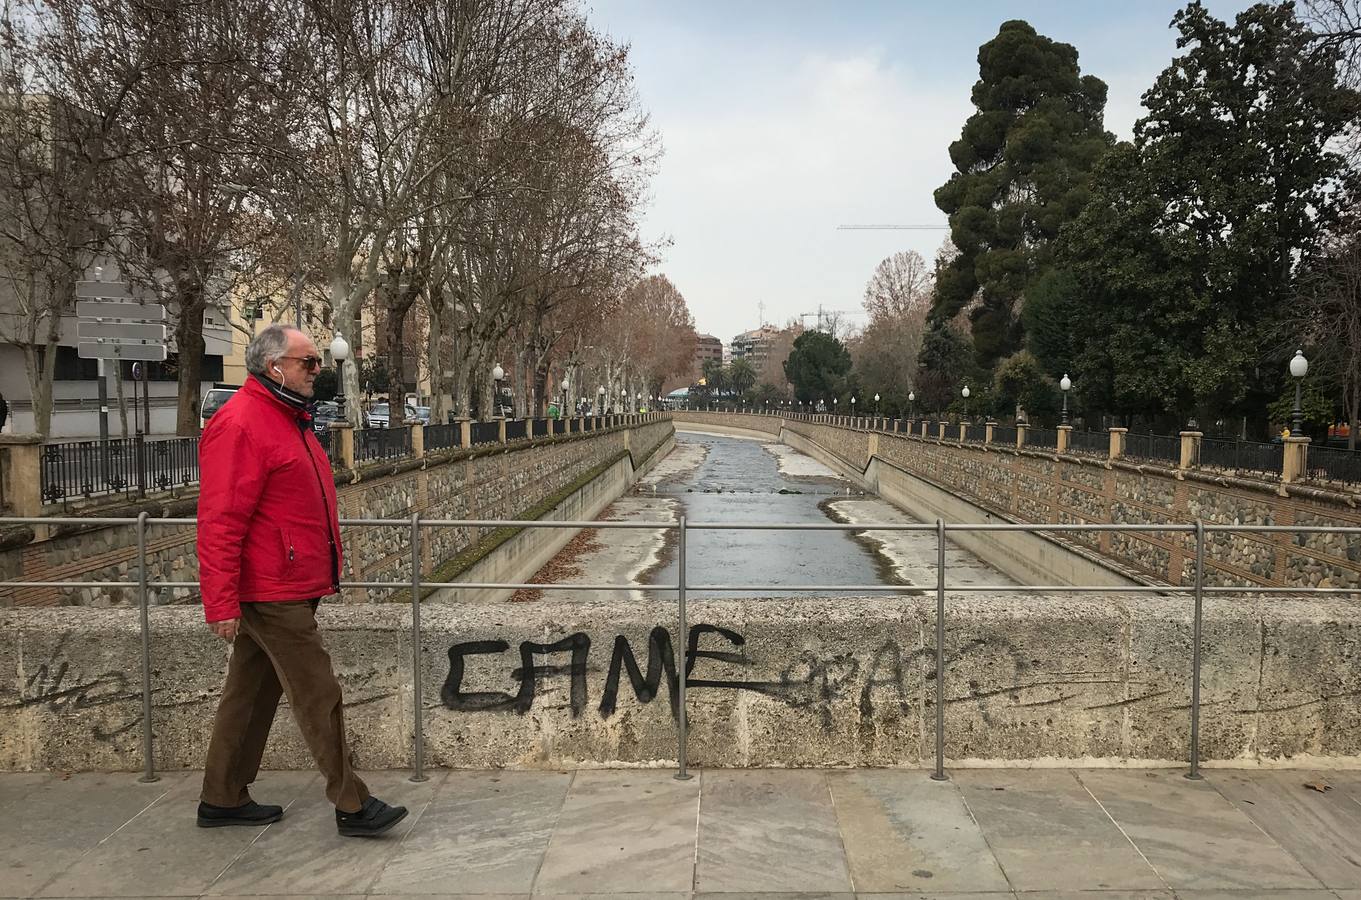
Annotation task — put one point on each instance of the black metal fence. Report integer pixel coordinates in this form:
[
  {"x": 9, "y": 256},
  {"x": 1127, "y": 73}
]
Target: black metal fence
[
  {"x": 978, "y": 433},
  {"x": 381, "y": 444},
  {"x": 1242, "y": 456},
  {"x": 1004, "y": 434},
  {"x": 441, "y": 437},
  {"x": 1332, "y": 464},
  {"x": 541, "y": 427},
  {"x": 1042, "y": 437},
  {"x": 1095, "y": 442},
  {"x": 77, "y": 469},
  {"x": 515, "y": 430},
  {"x": 1159, "y": 447}
]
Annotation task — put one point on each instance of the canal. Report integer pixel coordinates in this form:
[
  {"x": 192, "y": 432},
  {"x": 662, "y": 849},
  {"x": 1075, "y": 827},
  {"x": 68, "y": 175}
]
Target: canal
[{"x": 713, "y": 478}]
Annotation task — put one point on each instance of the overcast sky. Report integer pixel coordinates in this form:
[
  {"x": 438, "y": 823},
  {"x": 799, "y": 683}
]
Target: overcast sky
[{"x": 782, "y": 119}]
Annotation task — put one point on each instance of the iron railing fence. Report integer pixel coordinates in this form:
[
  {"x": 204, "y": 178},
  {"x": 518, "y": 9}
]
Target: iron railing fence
[
  {"x": 1042, "y": 437},
  {"x": 441, "y": 437},
  {"x": 976, "y": 433},
  {"x": 132, "y": 466},
  {"x": 1004, "y": 434},
  {"x": 485, "y": 433},
  {"x": 1096, "y": 442},
  {"x": 1197, "y": 589},
  {"x": 1332, "y": 464},
  {"x": 324, "y": 438},
  {"x": 541, "y": 426},
  {"x": 382, "y": 443},
  {"x": 1157, "y": 447},
  {"x": 1241, "y": 456},
  {"x": 515, "y": 430}
]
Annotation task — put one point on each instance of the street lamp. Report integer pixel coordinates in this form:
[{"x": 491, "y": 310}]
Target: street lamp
[
  {"x": 637, "y": 401},
  {"x": 600, "y": 408},
  {"x": 876, "y": 404},
  {"x": 1064, "y": 385},
  {"x": 564, "y": 397},
  {"x": 497, "y": 373},
  {"x": 340, "y": 351},
  {"x": 1299, "y": 367},
  {"x": 965, "y": 394},
  {"x": 911, "y": 399}
]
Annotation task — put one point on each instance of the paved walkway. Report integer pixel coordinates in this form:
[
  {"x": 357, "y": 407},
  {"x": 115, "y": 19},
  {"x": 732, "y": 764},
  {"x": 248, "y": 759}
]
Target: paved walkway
[{"x": 986, "y": 835}]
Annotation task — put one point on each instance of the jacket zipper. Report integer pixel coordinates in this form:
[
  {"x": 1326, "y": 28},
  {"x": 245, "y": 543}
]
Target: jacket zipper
[{"x": 330, "y": 537}]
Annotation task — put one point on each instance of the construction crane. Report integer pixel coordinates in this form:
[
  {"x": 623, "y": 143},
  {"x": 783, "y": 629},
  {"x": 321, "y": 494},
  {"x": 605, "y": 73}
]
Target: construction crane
[
  {"x": 827, "y": 314},
  {"x": 893, "y": 228}
]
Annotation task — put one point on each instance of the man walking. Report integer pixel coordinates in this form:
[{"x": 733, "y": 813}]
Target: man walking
[{"x": 269, "y": 550}]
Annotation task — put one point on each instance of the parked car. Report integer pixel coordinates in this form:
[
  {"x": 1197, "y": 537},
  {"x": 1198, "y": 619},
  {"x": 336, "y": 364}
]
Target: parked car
[
  {"x": 213, "y": 401},
  {"x": 421, "y": 413},
  {"x": 326, "y": 412},
  {"x": 379, "y": 415}
]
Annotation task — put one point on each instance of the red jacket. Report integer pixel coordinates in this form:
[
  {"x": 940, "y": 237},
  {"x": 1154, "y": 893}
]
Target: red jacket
[{"x": 267, "y": 522}]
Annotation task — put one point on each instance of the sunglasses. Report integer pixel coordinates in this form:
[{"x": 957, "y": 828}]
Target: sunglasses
[{"x": 310, "y": 362}]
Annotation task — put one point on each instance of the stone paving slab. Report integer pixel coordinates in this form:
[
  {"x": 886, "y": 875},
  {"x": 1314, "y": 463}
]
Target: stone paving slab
[{"x": 1047, "y": 834}]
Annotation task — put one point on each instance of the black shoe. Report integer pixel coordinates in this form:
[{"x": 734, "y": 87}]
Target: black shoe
[
  {"x": 249, "y": 813},
  {"x": 374, "y": 818}
]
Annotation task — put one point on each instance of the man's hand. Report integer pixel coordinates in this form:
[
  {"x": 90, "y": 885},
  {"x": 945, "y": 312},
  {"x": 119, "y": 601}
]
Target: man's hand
[{"x": 226, "y": 629}]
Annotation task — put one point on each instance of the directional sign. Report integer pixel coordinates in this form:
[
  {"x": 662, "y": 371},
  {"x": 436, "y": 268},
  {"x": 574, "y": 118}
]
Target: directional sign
[
  {"x": 112, "y": 290},
  {"x": 122, "y": 332},
  {"x": 125, "y": 312},
  {"x": 110, "y": 350}
]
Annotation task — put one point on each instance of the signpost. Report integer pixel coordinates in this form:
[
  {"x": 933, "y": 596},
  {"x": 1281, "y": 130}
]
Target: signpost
[{"x": 115, "y": 322}]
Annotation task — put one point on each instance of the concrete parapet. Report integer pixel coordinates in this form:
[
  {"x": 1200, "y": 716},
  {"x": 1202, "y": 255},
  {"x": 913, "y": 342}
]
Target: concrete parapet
[
  {"x": 1084, "y": 679},
  {"x": 21, "y": 474}
]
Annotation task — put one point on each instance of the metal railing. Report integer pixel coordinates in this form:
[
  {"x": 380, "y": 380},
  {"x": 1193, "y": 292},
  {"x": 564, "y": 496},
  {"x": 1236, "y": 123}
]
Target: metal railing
[
  {"x": 1159, "y": 447},
  {"x": 1197, "y": 589},
  {"x": 1042, "y": 437},
  {"x": 1242, "y": 456},
  {"x": 382, "y": 443},
  {"x": 515, "y": 430},
  {"x": 485, "y": 433},
  {"x": 132, "y": 465},
  {"x": 1096, "y": 442},
  {"x": 441, "y": 437},
  {"x": 1004, "y": 434},
  {"x": 1332, "y": 464},
  {"x": 976, "y": 433}
]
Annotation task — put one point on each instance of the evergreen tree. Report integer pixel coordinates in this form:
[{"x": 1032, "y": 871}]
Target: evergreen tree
[
  {"x": 817, "y": 367},
  {"x": 1023, "y": 161}
]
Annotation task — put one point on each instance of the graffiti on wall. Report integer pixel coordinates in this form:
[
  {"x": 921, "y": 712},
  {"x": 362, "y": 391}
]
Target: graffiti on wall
[{"x": 811, "y": 681}]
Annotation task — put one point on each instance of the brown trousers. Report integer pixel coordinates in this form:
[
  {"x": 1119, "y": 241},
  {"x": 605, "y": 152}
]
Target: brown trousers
[{"x": 278, "y": 650}]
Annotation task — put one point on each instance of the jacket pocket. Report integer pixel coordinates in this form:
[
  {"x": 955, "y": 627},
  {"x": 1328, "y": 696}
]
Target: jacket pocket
[{"x": 289, "y": 552}]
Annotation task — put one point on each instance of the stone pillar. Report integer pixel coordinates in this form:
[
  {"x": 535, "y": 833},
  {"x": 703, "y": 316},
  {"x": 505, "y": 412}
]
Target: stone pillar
[
  {"x": 21, "y": 474},
  {"x": 342, "y": 444},
  {"x": 552, "y": 426},
  {"x": 501, "y": 429},
  {"x": 1190, "y": 449},
  {"x": 1020, "y": 435},
  {"x": 418, "y": 440},
  {"x": 924, "y": 427},
  {"x": 1295, "y": 462},
  {"x": 1065, "y": 438},
  {"x": 465, "y": 433},
  {"x": 940, "y": 431},
  {"x": 988, "y": 428},
  {"x": 963, "y": 431},
  {"x": 1118, "y": 442},
  {"x": 529, "y": 428},
  {"x": 873, "y": 450}
]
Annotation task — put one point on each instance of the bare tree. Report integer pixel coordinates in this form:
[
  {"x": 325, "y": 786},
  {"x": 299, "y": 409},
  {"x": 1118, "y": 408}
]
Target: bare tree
[
  {"x": 1328, "y": 315},
  {"x": 900, "y": 284}
]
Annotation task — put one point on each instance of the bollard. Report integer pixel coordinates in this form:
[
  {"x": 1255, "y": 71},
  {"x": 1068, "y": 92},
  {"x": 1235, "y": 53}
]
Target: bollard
[{"x": 149, "y": 772}]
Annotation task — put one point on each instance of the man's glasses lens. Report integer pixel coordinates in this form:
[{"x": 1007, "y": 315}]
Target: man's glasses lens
[{"x": 311, "y": 362}]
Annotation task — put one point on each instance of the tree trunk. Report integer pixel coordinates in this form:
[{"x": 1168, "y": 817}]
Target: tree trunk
[
  {"x": 189, "y": 341},
  {"x": 435, "y": 361}
]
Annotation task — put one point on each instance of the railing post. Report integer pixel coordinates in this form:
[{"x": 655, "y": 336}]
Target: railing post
[
  {"x": 529, "y": 428},
  {"x": 963, "y": 431},
  {"x": 342, "y": 444},
  {"x": 940, "y": 431},
  {"x": 139, "y": 454},
  {"x": 988, "y": 428},
  {"x": 21, "y": 474},
  {"x": 1020, "y": 435},
  {"x": 1295, "y": 459},
  {"x": 683, "y": 642},
  {"x": 1117, "y": 450},
  {"x": 924, "y": 427},
  {"x": 1065, "y": 438},
  {"x": 1190, "y": 449},
  {"x": 1196, "y": 622},
  {"x": 939, "y": 774},
  {"x": 144, "y": 601},
  {"x": 465, "y": 433},
  {"x": 418, "y": 440},
  {"x": 501, "y": 429},
  {"x": 417, "y": 697}
]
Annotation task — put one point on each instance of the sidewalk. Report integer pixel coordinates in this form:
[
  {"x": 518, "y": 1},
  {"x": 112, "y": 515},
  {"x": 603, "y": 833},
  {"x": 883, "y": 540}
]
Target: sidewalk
[{"x": 732, "y": 834}]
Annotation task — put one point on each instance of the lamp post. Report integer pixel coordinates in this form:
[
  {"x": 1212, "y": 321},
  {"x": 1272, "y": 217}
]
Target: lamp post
[
  {"x": 876, "y": 405},
  {"x": 340, "y": 351},
  {"x": 600, "y": 406},
  {"x": 965, "y": 394},
  {"x": 497, "y": 373},
  {"x": 1299, "y": 367},
  {"x": 1064, "y": 385},
  {"x": 564, "y": 397},
  {"x": 911, "y": 399}
]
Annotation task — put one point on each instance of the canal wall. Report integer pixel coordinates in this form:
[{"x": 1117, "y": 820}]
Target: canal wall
[{"x": 1035, "y": 680}]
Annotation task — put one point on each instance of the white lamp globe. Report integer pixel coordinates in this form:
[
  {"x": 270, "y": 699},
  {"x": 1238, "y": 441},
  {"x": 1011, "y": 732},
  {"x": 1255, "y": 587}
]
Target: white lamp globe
[
  {"x": 1299, "y": 366},
  {"x": 340, "y": 349},
  {"x": 498, "y": 373},
  {"x": 965, "y": 393},
  {"x": 1065, "y": 383}
]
